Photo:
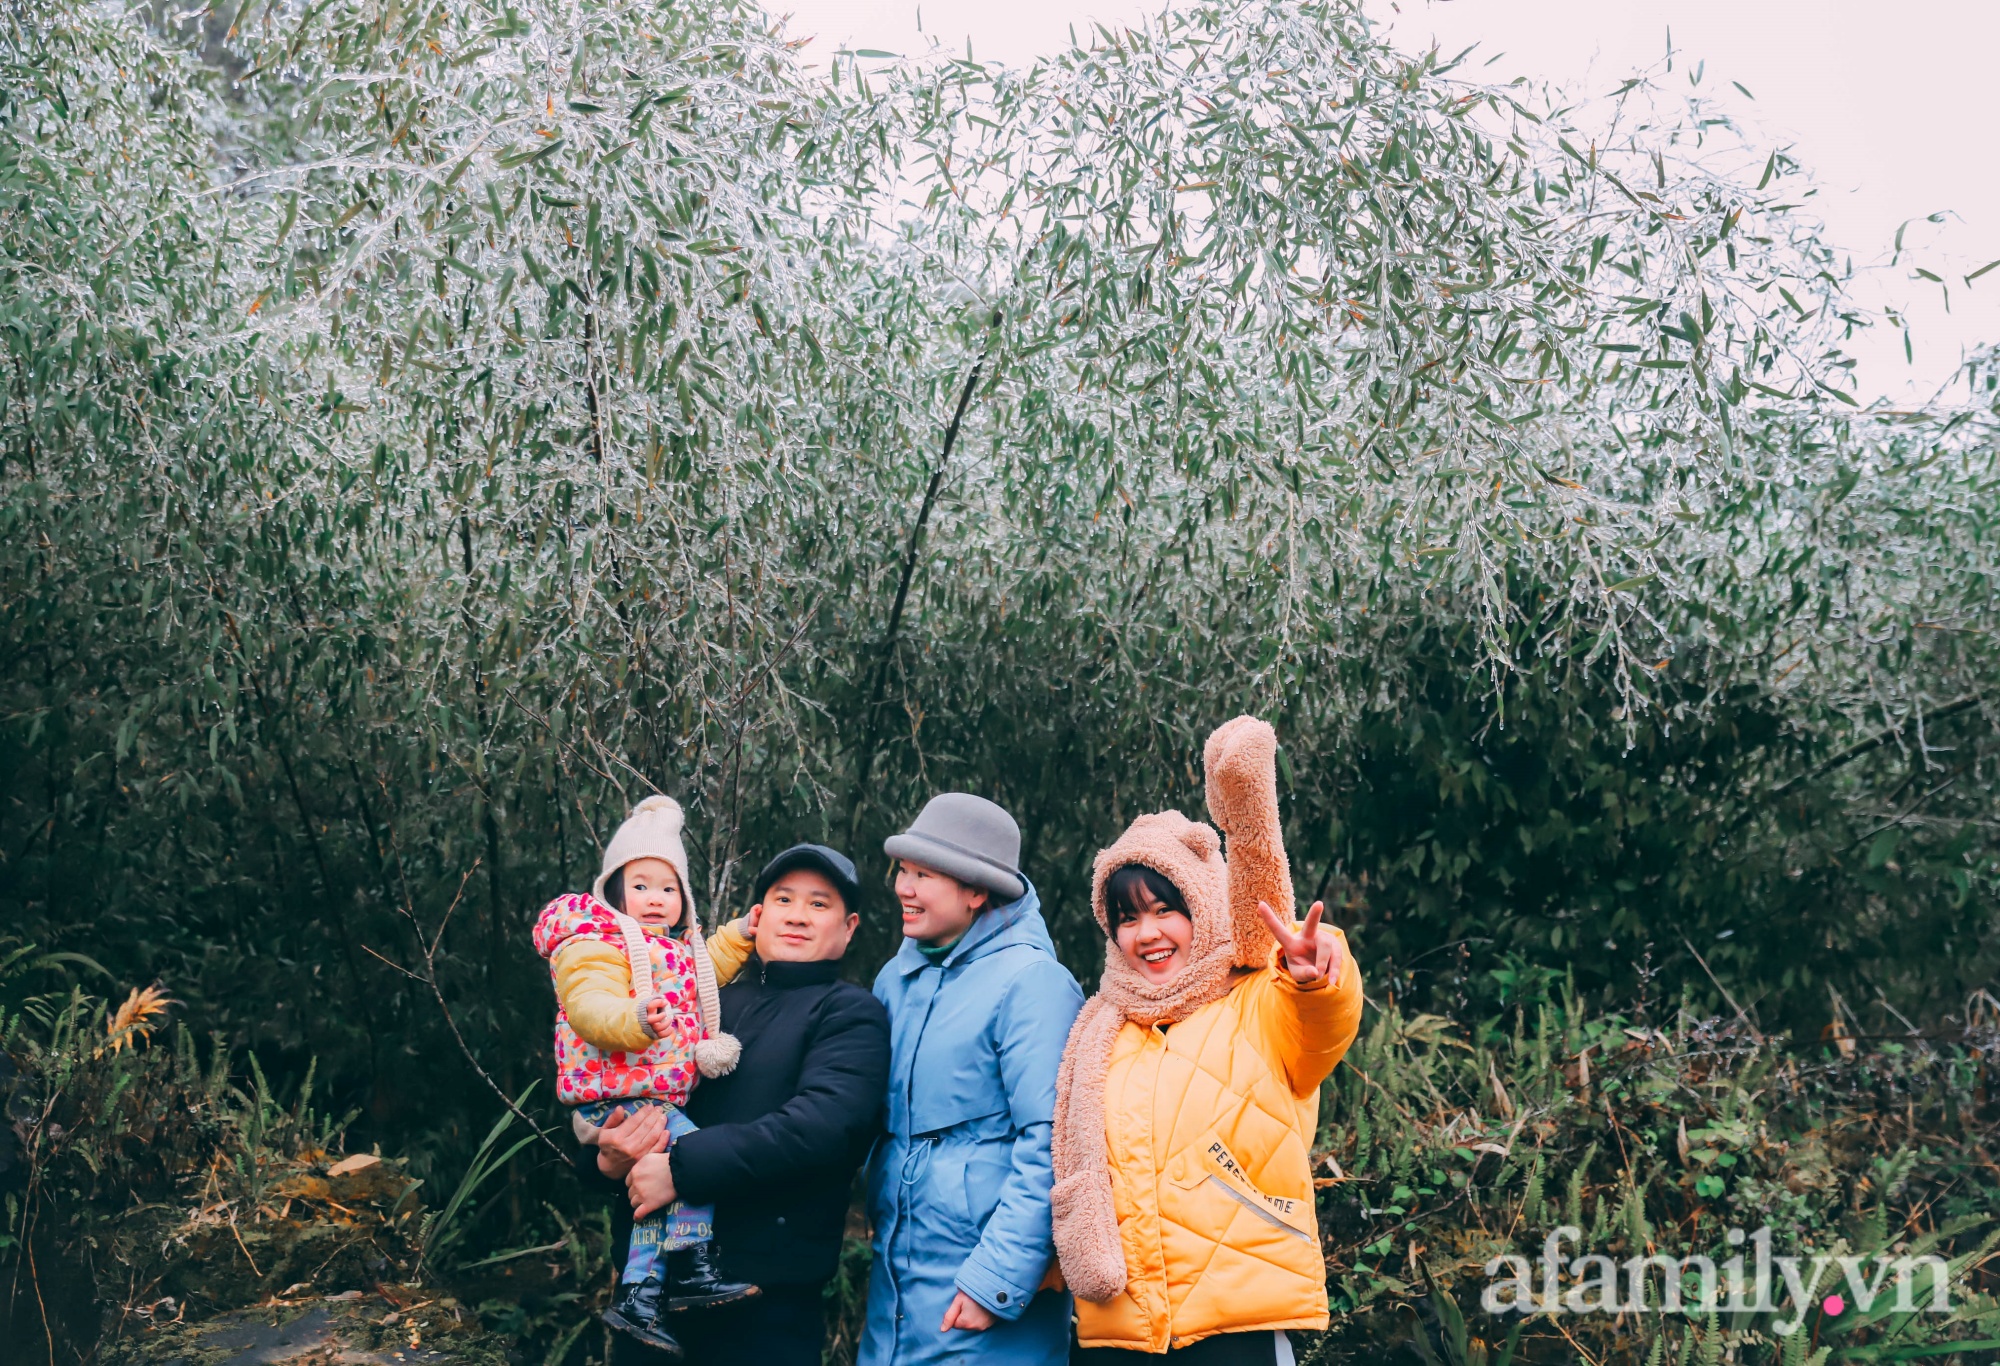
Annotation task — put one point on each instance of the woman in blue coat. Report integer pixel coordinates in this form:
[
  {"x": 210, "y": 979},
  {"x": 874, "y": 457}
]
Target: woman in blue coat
[{"x": 958, "y": 1188}]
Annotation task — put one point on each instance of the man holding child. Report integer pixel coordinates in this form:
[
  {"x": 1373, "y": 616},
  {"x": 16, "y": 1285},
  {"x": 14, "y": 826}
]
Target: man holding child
[{"x": 778, "y": 1139}]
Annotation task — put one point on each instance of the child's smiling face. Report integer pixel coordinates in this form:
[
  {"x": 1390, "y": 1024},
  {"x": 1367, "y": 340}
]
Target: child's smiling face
[{"x": 652, "y": 892}]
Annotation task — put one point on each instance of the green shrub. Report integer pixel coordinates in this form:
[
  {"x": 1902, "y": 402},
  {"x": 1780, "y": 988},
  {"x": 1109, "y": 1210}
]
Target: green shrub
[{"x": 1651, "y": 1134}]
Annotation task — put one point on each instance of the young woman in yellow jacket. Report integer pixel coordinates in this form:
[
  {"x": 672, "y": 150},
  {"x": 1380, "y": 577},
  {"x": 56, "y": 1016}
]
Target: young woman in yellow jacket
[{"x": 1189, "y": 1093}]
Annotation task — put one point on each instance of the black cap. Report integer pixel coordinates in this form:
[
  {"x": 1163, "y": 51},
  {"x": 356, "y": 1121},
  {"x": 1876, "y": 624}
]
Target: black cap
[{"x": 829, "y": 863}]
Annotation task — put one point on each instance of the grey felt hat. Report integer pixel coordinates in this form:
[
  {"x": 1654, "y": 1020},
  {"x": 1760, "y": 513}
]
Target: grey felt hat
[{"x": 968, "y": 838}]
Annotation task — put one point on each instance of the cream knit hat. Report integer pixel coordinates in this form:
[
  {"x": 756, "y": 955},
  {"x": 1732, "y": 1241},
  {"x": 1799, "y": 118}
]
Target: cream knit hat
[{"x": 653, "y": 830}]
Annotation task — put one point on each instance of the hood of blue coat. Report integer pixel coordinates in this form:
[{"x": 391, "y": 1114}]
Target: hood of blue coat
[{"x": 1004, "y": 926}]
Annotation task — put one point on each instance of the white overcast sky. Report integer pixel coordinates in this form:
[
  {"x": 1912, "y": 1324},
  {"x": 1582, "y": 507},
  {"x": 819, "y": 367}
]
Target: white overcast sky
[{"x": 1889, "y": 102}]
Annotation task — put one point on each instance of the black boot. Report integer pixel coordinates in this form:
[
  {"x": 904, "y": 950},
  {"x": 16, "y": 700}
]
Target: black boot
[
  {"x": 636, "y": 1312},
  {"x": 694, "y": 1280}
]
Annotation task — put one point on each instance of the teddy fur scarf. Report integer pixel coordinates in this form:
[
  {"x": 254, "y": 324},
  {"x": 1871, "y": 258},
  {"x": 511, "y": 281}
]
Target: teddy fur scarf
[{"x": 1242, "y": 789}]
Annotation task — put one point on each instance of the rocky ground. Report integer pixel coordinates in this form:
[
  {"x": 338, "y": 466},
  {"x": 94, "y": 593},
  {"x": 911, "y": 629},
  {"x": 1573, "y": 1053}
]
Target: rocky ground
[
  {"x": 354, "y": 1328},
  {"x": 316, "y": 1267}
]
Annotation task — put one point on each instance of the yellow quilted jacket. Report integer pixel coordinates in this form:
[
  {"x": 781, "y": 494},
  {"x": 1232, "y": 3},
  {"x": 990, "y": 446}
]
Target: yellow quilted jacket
[{"x": 1211, "y": 1123}]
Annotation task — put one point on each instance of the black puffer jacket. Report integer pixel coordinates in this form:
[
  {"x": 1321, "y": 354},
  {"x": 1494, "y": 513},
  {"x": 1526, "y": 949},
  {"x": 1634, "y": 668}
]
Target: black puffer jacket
[{"x": 781, "y": 1136}]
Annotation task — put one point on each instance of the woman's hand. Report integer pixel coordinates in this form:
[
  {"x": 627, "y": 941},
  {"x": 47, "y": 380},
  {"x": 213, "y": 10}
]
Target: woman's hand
[
  {"x": 751, "y": 921},
  {"x": 1309, "y": 955},
  {"x": 625, "y": 1138},
  {"x": 967, "y": 1314},
  {"x": 650, "y": 1184}
]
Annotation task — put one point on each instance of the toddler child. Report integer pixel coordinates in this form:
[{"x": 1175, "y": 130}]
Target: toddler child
[{"x": 637, "y": 1017}]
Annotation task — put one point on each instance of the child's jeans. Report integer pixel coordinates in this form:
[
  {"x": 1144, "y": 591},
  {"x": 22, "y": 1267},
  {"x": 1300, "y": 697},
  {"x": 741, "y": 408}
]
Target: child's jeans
[{"x": 666, "y": 1230}]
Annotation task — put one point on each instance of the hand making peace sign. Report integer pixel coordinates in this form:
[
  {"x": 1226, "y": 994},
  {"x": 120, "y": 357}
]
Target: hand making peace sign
[{"x": 1309, "y": 955}]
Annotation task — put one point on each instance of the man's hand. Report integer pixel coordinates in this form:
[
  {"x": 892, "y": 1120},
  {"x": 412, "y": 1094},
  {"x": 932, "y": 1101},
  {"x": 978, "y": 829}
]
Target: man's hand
[
  {"x": 625, "y": 1138},
  {"x": 1309, "y": 955},
  {"x": 656, "y": 1016},
  {"x": 967, "y": 1314},
  {"x": 650, "y": 1186}
]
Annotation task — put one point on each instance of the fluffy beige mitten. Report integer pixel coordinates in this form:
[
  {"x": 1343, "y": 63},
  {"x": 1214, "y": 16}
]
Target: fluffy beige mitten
[{"x": 1241, "y": 761}]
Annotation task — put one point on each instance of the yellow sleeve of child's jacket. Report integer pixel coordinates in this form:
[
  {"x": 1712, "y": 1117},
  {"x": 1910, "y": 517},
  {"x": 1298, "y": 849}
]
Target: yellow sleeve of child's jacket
[
  {"x": 729, "y": 948},
  {"x": 1308, "y": 1029},
  {"x": 594, "y": 984}
]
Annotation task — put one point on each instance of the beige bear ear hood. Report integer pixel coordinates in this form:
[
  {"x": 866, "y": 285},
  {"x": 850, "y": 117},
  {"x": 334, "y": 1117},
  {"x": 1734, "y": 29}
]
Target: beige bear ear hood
[
  {"x": 1186, "y": 853},
  {"x": 1241, "y": 764}
]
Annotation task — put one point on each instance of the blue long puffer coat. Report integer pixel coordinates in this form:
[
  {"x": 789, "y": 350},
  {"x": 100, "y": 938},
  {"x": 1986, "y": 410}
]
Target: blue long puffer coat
[{"x": 958, "y": 1187}]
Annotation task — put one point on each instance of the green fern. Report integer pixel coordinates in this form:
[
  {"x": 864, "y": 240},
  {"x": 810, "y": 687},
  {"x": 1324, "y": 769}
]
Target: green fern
[
  {"x": 1709, "y": 1352},
  {"x": 1573, "y": 1199},
  {"x": 1531, "y": 1198}
]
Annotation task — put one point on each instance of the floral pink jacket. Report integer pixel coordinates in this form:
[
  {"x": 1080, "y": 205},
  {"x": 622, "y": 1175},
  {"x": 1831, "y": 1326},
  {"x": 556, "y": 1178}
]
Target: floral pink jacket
[{"x": 665, "y": 1069}]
